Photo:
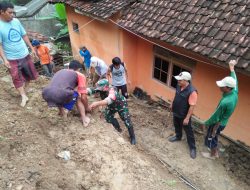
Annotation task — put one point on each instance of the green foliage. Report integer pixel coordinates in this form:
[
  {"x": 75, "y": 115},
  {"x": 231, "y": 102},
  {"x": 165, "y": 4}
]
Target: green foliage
[
  {"x": 61, "y": 12},
  {"x": 61, "y": 16},
  {"x": 63, "y": 31},
  {"x": 63, "y": 46}
]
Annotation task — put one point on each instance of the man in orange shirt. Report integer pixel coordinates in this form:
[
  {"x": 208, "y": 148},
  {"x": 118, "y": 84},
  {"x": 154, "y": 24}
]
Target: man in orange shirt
[
  {"x": 44, "y": 56},
  {"x": 183, "y": 105}
]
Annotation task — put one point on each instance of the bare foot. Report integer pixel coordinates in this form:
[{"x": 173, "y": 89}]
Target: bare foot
[
  {"x": 86, "y": 121},
  {"x": 208, "y": 155},
  {"x": 63, "y": 114},
  {"x": 100, "y": 109},
  {"x": 29, "y": 90},
  {"x": 25, "y": 99}
]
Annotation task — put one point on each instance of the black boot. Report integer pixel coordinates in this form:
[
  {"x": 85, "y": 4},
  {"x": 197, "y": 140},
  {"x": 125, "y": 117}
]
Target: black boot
[
  {"x": 116, "y": 125},
  {"x": 132, "y": 135}
]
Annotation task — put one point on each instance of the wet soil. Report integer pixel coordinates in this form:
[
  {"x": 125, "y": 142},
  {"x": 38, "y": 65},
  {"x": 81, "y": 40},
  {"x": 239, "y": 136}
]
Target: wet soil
[{"x": 100, "y": 157}]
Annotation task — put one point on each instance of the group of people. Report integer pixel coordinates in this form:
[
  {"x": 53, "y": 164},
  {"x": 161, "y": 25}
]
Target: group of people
[
  {"x": 183, "y": 106},
  {"x": 69, "y": 86},
  {"x": 97, "y": 69}
]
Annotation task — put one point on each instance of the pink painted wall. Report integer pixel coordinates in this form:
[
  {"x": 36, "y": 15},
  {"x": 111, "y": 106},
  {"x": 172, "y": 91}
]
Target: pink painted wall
[
  {"x": 102, "y": 39},
  {"x": 130, "y": 52}
]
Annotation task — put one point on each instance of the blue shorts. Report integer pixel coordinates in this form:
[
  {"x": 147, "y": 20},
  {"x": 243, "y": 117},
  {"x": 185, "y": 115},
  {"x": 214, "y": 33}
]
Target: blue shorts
[
  {"x": 70, "y": 105},
  {"x": 212, "y": 142}
]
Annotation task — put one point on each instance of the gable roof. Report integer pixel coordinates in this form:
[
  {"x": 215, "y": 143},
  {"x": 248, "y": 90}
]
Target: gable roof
[
  {"x": 99, "y": 9},
  {"x": 218, "y": 29}
]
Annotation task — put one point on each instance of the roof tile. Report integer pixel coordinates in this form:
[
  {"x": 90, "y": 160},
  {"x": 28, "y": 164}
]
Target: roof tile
[
  {"x": 199, "y": 48},
  {"x": 212, "y": 32},
  {"x": 215, "y": 53},
  {"x": 205, "y": 30},
  {"x": 223, "y": 45},
  {"x": 230, "y": 36},
  {"x": 206, "y": 51},
  {"x": 192, "y": 45},
  {"x": 102, "y": 9},
  {"x": 214, "y": 5},
  {"x": 224, "y": 56},
  {"x": 241, "y": 20},
  {"x": 240, "y": 51},
  {"x": 246, "y": 42},
  {"x": 243, "y": 63},
  {"x": 213, "y": 43},
  {"x": 220, "y": 35},
  {"x": 244, "y": 29},
  {"x": 231, "y": 49}
]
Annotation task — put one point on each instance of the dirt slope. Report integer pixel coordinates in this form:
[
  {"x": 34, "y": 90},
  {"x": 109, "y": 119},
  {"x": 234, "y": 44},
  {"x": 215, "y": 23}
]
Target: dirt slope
[{"x": 101, "y": 158}]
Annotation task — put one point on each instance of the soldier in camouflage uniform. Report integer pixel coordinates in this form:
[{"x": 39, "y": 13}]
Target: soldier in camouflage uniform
[{"x": 115, "y": 103}]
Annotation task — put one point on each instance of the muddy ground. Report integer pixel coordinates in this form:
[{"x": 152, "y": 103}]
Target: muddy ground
[{"x": 100, "y": 157}]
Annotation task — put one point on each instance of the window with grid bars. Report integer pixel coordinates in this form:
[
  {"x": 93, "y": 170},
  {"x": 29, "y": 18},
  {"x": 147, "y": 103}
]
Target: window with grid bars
[
  {"x": 75, "y": 27},
  {"x": 167, "y": 65},
  {"x": 161, "y": 69}
]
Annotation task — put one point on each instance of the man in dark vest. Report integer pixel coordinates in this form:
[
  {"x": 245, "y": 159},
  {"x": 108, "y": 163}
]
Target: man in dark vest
[{"x": 182, "y": 107}]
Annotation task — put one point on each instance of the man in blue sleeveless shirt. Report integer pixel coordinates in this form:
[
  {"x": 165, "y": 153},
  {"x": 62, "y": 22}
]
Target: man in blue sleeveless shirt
[{"x": 183, "y": 105}]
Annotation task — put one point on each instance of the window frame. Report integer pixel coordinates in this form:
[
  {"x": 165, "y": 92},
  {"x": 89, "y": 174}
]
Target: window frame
[
  {"x": 173, "y": 60},
  {"x": 162, "y": 58},
  {"x": 74, "y": 24}
]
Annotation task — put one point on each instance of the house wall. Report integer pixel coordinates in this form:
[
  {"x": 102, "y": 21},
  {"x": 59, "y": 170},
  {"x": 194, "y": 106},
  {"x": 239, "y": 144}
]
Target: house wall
[
  {"x": 204, "y": 77},
  {"x": 102, "y": 39},
  {"x": 130, "y": 52}
]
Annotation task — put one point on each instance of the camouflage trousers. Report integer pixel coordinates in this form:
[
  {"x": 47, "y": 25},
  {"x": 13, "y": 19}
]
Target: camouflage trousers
[{"x": 122, "y": 110}]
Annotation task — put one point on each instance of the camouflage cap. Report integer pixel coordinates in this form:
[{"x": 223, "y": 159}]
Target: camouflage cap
[{"x": 102, "y": 84}]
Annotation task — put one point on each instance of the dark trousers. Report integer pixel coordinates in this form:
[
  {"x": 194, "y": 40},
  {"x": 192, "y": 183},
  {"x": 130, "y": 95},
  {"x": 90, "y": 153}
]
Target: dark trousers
[
  {"x": 210, "y": 141},
  {"x": 123, "y": 89},
  {"x": 178, "y": 124},
  {"x": 48, "y": 70}
]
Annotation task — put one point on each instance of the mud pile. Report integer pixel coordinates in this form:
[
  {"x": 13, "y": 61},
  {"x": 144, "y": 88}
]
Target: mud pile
[
  {"x": 100, "y": 158},
  {"x": 238, "y": 162}
]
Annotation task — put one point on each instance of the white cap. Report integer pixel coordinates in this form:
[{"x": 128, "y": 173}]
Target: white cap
[
  {"x": 93, "y": 61},
  {"x": 227, "y": 82},
  {"x": 183, "y": 76}
]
